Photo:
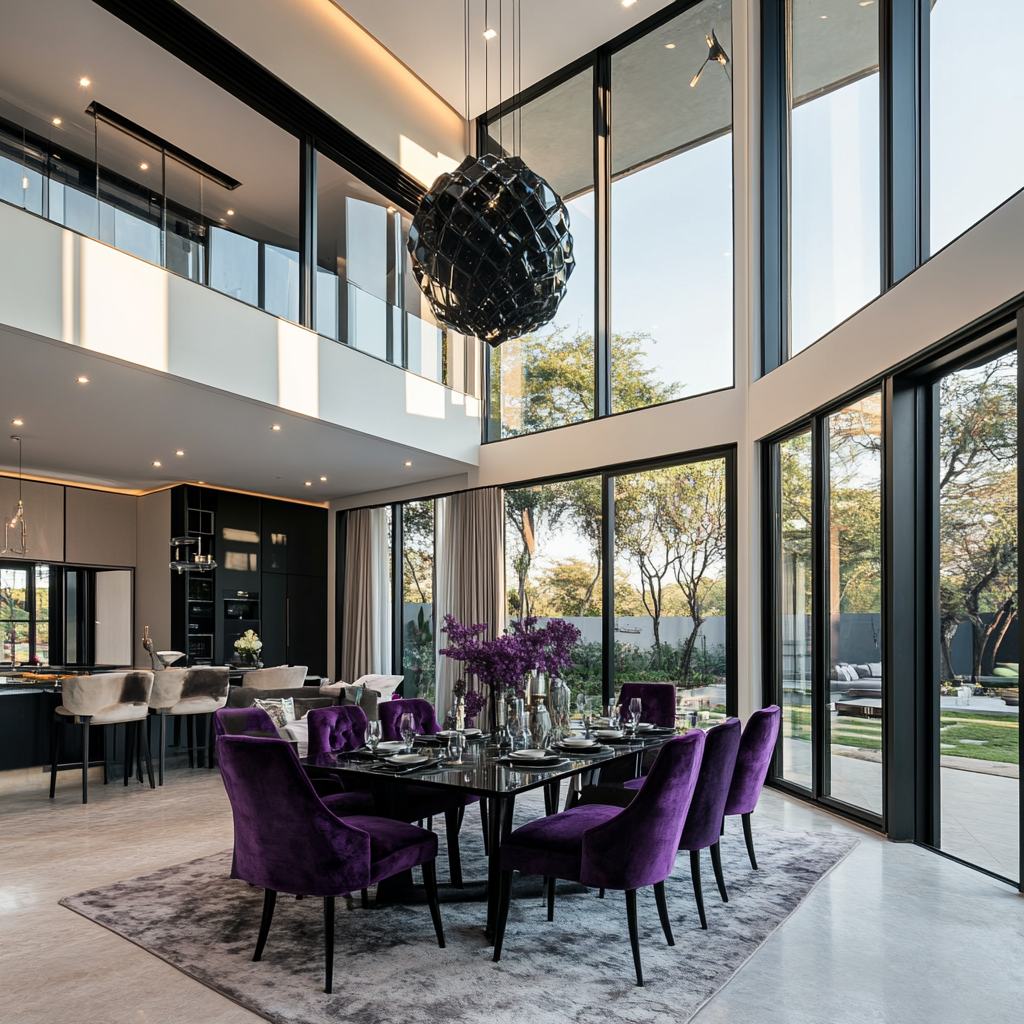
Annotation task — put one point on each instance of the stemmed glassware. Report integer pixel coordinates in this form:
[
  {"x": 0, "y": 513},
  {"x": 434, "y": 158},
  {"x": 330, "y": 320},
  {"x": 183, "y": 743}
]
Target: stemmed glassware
[
  {"x": 373, "y": 736},
  {"x": 408, "y": 730},
  {"x": 456, "y": 741},
  {"x": 635, "y": 708}
]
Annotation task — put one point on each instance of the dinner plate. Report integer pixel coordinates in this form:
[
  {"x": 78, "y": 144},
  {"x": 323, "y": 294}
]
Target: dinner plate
[
  {"x": 390, "y": 746},
  {"x": 583, "y": 744},
  {"x": 407, "y": 759},
  {"x": 470, "y": 732},
  {"x": 645, "y": 727},
  {"x": 609, "y": 734},
  {"x": 529, "y": 755}
]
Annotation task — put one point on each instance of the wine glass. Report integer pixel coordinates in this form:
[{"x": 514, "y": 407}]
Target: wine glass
[
  {"x": 456, "y": 741},
  {"x": 635, "y": 708},
  {"x": 373, "y": 736},
  {"x": 408, "y": 730},
  {"x": 515, "y": 730}
]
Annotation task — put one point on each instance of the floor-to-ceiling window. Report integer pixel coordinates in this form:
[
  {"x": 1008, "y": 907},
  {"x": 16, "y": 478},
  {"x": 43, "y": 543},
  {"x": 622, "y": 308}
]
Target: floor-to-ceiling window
[
  {"x": 796, "y": 575},
  {"x": 825, "y": 645},
  {"x": 648, "y": 314},
  {"x": 671, "y": 586},
  {"x": 671, "y": 210},
  {"x": 834, "y": 169},
  {"x": 546, "y": 378},
  {"x": 975, "y": 133},
  {"x": 25, "y": 614},
  {"x": 976, "y": 706},
  {"x": 418, "y": 626},
  {"x": 554, "y": 565}
]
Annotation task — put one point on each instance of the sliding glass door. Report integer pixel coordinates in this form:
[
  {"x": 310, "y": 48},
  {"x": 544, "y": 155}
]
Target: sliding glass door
[
  {"x": 976, "y": 686},
  {"x": 824, "y": 641}
]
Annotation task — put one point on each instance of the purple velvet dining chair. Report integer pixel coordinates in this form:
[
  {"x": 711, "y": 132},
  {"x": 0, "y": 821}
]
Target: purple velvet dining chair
[
  {"x": 423, "y": 716},
  {"x": 338, "y": 728},
  {"x": 286, "y": 840},
  {"x": 755, "y": 755},
  {"x": 658, "y": 700},
  {"x": 236, "y": 721},
  {"x": 602, "y": 846},
  {"x": 703, "y": 828}
]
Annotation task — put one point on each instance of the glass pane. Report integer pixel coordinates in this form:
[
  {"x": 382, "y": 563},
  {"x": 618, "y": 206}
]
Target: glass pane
[
  {"x": 281, "y": 287},
  {"x": 42, "y": 625},
  {"x": 13, "y": 594},
  {"x": 185, "y": 241},
  {"x": 546, "y": 379},
  {"x": 670, "y": 596},
  {"x": 361, "y": 267},
  {"x": 855, "y": 603},
  {"x": 553, "y": 566},
  {"x": 131, "y": 192},
  {"x": 418, "y": 598},
  {"x": 22, "y": 165},
  {"x": 671, "y": 205},
  {"x": 979, "y": 656},
  {"x": 967, "y": 104},
  {"x": 235, "y": 265},
  {"x": 795, "y": 607},
  {"x": 835, "y": 173}
]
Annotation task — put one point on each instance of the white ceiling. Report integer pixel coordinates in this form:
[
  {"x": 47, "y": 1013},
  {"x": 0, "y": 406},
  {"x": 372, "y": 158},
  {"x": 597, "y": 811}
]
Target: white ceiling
[
  {"x": 428, "y": 37},
  {"x": 110, "y": 431}
]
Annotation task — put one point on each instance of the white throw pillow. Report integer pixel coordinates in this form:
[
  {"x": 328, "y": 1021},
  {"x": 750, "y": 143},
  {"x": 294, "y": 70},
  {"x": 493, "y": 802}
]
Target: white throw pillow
[
  {"x": 299, "y": 732},
  {"x": 876, "y": 669},
  {"x": 280, "y": 709}
]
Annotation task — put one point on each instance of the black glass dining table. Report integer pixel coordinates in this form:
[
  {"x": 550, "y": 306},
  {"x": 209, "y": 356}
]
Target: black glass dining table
[{"x": 486, "y": 772}]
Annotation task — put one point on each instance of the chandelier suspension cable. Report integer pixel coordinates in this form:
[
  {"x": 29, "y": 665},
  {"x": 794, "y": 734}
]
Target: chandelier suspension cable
[
  {"x": 519, "y": 87},
  {"x": 487, "y": 56},
  {"x": 465, "y": 32},
  {"x": 501, "y": 74}
]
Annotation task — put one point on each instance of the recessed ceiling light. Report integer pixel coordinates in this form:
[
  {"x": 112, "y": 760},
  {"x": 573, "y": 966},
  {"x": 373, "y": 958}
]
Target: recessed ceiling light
[
  {"x": 670, "y": 46},
  {"x": 391, "y": 209},
  {"x": 231, "y": 213},
  {"x": 179, "y": 452},
  {"x": 21, "y": 423},
  {"x": 408, "y": 463},
  {"x": 56, "y": 120},
  {"x": 83, "y": 380},
  {"x": 490, "y": 34},
  {"x": 628, "y": 3},
  {"x": 143, "y": 167},
  {"x": 200, "y": 482},
  {"x": 866, "y": 3},
  {"x": 824, "y": 17},
  {"x": 276, "y": 426},
  {"x": 84, "y": 82},
  {"x": 157, "y": 464},
  {"x": 323, "y": 479},
  {"x": 309, "y": 483}
]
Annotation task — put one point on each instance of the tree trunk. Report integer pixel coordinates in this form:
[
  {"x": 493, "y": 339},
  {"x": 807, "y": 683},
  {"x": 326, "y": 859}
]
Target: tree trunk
[
  {"x": 947, "y": 631},
  {"x": 995, "y": 634},
  {"x": 686, "y": 657}
]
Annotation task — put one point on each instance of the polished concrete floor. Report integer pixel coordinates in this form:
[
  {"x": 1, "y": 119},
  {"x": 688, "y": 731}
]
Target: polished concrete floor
[{"x": 894, "y": 933}]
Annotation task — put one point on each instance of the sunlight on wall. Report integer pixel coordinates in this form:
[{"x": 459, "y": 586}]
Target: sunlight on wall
[
  {"x": 123, "y": 305},
  {"x": 424, "y": 397},
  {"x": 298, "y": 369},
  {"x": 421, "y": 163}
]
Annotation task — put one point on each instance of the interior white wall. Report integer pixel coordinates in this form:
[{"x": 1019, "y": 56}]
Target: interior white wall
[{"x": 319, "y": 51}]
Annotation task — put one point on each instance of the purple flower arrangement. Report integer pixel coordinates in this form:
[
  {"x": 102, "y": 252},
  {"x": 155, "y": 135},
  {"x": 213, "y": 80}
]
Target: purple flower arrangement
[{"x": 504, "y": 662}]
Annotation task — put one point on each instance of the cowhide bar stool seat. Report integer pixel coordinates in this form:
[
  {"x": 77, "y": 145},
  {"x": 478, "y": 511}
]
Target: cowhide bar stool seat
[
  {"x": 189, "y": 692},
  {"x": 107, "y": 699}
]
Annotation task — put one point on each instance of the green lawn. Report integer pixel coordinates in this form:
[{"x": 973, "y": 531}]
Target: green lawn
[{"x": 1000, "y": 733}]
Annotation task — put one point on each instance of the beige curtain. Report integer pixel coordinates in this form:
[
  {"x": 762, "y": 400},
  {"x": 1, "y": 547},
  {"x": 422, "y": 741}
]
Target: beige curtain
[
  {"x": 357, "y": 613},
  {"x": 470, "y": 573}
]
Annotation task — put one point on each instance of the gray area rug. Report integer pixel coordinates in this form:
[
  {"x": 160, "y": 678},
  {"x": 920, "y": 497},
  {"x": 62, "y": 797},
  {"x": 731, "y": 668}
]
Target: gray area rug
[{"x": 388, "y": 967}]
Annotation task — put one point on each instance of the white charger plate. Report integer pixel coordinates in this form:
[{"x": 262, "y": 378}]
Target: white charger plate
[
  {"x": 529, "y": 755},
  {"x": 390, "y": 746},
  {"x": 408, "y": 759}
]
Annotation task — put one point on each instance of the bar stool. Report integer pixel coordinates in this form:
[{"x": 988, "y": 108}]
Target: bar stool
[
  {"x": 107, "y": 699},
  {"x": 188, "y": 692}
]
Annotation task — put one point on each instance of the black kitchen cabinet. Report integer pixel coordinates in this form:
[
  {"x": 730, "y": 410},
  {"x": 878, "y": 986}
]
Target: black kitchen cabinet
[
  {"x": 294, "y": 538},
  {"x": 295, "y": 621}
]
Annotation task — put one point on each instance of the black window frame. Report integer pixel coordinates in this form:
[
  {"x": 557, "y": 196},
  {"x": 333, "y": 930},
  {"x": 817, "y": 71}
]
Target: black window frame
[{"x": 599, "y": 61}]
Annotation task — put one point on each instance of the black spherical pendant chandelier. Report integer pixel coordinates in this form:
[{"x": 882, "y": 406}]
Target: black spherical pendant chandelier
[
  {"x": 490, "y": 242},
  {"x": 491, "y": 248}
]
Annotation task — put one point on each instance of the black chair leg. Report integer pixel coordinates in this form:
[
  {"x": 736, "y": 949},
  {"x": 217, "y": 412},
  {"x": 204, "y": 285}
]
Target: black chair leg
[
  {"x": 451, "y": 822},
  {"x": 551, "y": 898},
  {"x": 748, "y": 838},
  {"x": 634, "y": 934},
  {"x": 269, "y": 899},
  {"x": 716, "y": 863},
  {"x": 697, "y": 894},
  {"x": 487, "y": 831},
  {"x": 143, "y": 728},
  {"x": 328, "y": 944},
  {"x": 127, "y": 750},
  {"x": 54, "y": 753},
  {"x": 504, "y": 899},
  {"x": 163, "y": 747},
  {"x": 666, "y": 925},
  {"x": 600, "y": 893},
  {"x": 209, "y": 739},
  {"x": 108, "y": 732},
  {"x": 190, "y": 729},
  {"x": 430, "y": 884},
  {"x": 364, "y": 896},
  {"x": 85, "y": 762}
]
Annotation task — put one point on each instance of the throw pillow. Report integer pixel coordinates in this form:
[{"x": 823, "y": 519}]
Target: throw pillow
[
  {"x": 280, "y": 709},
  {"x": 862, "y": 671},
  {"x": 876, "y": 668},
  {"x": 384, "y": 685}
]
